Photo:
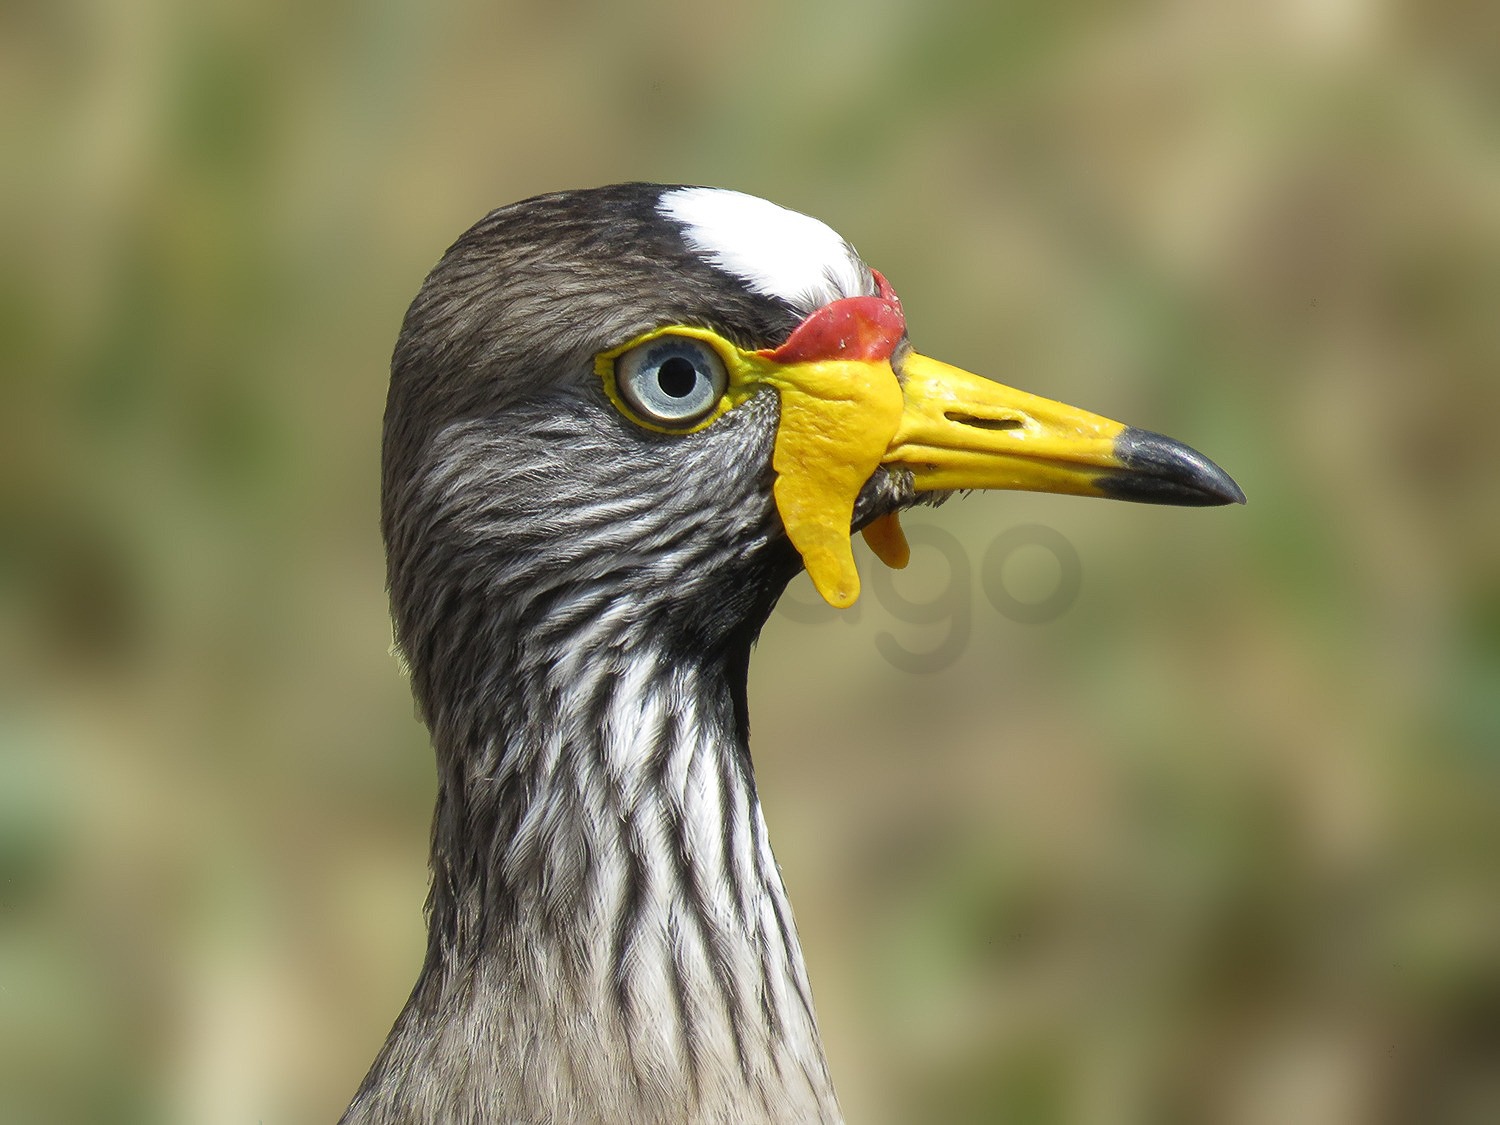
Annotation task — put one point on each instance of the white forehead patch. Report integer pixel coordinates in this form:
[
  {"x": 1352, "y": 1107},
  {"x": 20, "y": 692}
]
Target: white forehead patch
[{"x": 774, "y": 251}]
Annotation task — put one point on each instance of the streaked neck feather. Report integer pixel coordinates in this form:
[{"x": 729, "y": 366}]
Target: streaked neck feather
[{"x": 610, "y": 939}]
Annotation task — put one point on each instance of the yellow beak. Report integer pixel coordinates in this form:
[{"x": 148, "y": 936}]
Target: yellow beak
[
  {"x": 841, "y": 419},
  {"x": 960, "y": 431}
]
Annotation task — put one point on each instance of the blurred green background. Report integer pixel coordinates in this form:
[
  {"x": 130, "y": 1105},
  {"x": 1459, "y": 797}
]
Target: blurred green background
[{"x": 1219, "y": 844}]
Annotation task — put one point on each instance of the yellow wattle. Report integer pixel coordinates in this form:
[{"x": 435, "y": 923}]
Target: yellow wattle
[
  {"x": 886, "y": 539},
  {"x": 838, "y": 418}
]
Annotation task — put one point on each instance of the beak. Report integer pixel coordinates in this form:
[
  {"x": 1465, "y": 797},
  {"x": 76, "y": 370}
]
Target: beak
[{"x": 961, "y": 431}]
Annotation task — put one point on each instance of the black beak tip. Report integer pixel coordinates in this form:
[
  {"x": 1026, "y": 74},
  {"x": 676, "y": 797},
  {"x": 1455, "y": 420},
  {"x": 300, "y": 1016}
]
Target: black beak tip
[{"x": 1159, "y": 470}]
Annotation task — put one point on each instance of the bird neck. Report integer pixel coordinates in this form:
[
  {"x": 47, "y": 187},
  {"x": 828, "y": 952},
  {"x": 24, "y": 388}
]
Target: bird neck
[{"x": 610, "y": 939}]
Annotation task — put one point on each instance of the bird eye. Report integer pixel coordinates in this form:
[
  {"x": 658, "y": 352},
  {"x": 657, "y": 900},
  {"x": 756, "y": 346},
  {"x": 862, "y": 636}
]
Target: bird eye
[{"x": 672, "y": 380}]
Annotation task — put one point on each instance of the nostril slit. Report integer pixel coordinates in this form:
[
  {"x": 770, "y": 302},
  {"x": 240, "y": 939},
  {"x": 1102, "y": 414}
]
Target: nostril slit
[{"x": 983, "y": 423}]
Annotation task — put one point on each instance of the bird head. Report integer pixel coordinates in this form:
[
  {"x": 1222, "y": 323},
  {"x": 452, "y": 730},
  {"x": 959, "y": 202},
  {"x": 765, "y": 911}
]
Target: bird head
[{"x": 674, "y": 397}]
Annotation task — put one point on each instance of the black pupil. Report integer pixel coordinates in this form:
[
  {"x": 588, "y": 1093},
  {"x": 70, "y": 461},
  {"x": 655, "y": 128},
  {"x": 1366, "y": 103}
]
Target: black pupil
[{"x": 677, "y": 377}]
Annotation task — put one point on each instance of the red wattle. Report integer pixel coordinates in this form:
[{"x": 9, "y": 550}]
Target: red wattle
[
  {"x": 867, "y": 328},
  {"x": 883, "y": 287}
]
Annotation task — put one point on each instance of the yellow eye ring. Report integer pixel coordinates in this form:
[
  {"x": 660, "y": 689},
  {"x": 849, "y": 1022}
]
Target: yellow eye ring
[
  {"x": 674, "y": 381},
  {"x": 678, "y": 379}
]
